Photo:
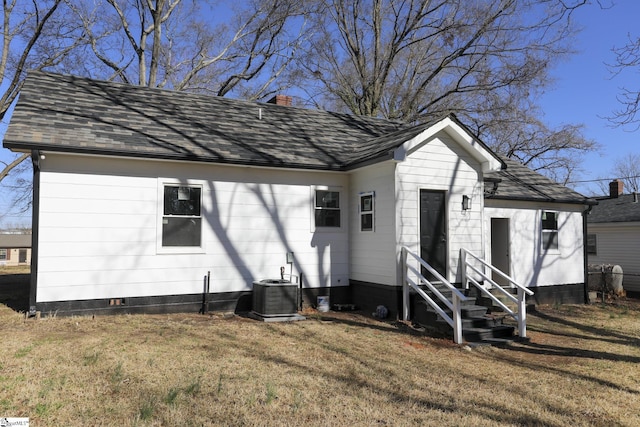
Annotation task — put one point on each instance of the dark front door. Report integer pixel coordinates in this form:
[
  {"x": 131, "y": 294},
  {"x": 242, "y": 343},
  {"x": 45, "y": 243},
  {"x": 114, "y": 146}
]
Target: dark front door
[
  {"x": 433, "y": 231},
  {"x": 500, "y": 248}
]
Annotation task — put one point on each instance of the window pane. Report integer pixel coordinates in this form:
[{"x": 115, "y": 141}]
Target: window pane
[
  {"x": 367, "y": 222},
  {"x": 327, "y": 218},
  {"x": 550, "y": 239},
  {"x": 327, "y": 199},
  {"x": 3, "y": 254},
  {"x": 366, "y": 203},
  {"x": 178, "y": 231},
  {"x": 182, "y": 200},
  {"x": 549, "y": 220}
]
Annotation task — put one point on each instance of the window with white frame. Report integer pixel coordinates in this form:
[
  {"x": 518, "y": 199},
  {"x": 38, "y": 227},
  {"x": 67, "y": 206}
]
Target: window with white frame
[
  {"x": 327, "y": 208},
  {"x": 3, "y": 255},
  {"x": 367, "y": 211},
  {"x": 181, "y": 216},
  {"x": 549, "y": 230}
]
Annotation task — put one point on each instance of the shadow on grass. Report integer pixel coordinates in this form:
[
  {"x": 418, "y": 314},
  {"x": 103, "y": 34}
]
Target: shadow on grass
[
  {"x": 446, "y": 401},
  {"x": 598, "y": 334},
  {"x": 361, "y": 320},
  {"x": 14, "y": 291},
  {"x": 555, "y": 351}
]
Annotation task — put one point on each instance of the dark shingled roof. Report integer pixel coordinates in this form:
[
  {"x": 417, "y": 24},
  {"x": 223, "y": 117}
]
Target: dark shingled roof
[
  {"x": 65, "y": 113},
  {"x": 517, "y": 182},
  {"x": 79, "y": 115},
  {"x": 624, "y": 208}
]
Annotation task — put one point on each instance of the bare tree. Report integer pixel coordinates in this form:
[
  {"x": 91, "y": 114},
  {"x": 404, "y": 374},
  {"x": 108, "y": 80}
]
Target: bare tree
[
  {"x": 418, "y": 60},
  {"x": 36, "y": 34},
  {"x": 627, "y": 170},
  {"x": 177, "y": 44},
  {"x": 512, "y": 126},
  {"x": 190, "y": 46},
  {"x": 627, "y": 58}
]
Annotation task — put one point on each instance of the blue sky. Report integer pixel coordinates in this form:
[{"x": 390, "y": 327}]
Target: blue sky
[{"x": 585, "y": 91}]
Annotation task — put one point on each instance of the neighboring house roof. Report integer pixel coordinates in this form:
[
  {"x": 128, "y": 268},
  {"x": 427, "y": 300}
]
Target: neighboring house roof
[
  {"x": 624, "y": 208},
  {"x": 15, "y": 241},
  {"x": 79, "y": 115},
  {"x": 518, "y": 182}
]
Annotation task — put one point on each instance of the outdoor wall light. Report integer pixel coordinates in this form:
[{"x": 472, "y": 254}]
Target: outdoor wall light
[{"x": 466, "y": 202}]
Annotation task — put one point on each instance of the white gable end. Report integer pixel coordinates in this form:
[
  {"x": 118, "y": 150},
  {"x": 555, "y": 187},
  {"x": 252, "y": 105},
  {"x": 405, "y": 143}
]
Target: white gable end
[{"x": 487, "y": 160}]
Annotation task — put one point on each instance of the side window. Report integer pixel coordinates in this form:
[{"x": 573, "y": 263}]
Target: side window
[
  {"x": 592, "y": 244},
  {"x": 3, "y": 255},
  {"x": 327, "y": 208},
  {"x": 181, "y": 216},
  {"x": 367, "y": 211},
  {"x": 549, "y": 230}
]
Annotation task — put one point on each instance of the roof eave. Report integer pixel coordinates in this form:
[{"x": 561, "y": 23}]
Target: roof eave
[
  {"x": 360, "y": 163},
  {"x": 584, "y": 202},
  {"x": 180, "y": 158}
]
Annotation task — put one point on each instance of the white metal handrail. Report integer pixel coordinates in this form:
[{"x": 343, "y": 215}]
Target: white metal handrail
[
  {"x": 455, "y": 321},
  {"x": 520, "y": 315}
]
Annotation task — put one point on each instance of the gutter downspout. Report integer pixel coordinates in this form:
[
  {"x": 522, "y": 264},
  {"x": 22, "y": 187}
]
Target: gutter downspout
[
  {"x": 35, "y": 227},
  {"x": 585, "y": 255}
]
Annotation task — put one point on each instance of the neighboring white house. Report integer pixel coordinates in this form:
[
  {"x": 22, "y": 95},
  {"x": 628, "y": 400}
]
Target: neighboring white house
[
  {"x": 140, "y": 193},
  {"x": 614, "y": 235}
]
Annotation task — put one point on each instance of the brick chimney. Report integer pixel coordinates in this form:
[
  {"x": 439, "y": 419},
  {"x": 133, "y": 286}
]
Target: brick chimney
[
  {"x": 281, "y": 100},
  {"x": 615, "y": 188}
]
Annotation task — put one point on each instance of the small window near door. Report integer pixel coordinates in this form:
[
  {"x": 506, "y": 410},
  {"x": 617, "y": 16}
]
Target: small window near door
[
  {"x": 4, "y": 254},
  {"x": 549, "y": 230},
  {"x": 327, "y": 208},
  {"x": 592, "y": 244},
  {"x": 367, "y": 211},
  {"x": 181, "y": 219}
]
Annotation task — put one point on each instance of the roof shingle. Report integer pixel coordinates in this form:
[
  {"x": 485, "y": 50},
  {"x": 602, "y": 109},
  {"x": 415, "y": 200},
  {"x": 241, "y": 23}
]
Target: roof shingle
[
  {"x": 65, "y": 113},
  {"x": 517, "y": 182},
  {"x": 624, "y": 208},
  {"x": 74, "y": 114}
]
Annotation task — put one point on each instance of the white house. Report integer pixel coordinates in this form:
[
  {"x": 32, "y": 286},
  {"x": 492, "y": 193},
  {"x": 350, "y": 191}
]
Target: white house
[
  {"x": 535, "y": 233},
  {"x": 614, "y": 235},
  {"x": 140, "y": 193}
]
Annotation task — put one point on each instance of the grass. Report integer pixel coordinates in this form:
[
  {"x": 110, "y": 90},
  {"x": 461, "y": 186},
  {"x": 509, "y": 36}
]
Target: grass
[
  {"x": 15, "y": 269},
  {"x": 580, "y": 368}
]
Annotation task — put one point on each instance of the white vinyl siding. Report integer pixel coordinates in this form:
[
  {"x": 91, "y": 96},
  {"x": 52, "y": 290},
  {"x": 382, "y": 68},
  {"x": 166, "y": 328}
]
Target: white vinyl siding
[
  {"x": 441, "y": 165},
  {"x": 530, "y": 265},
  {"x": 373, "y": 255},
  {"x": 99, "y": 220},
  {"x": 619, "y": 244}
]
